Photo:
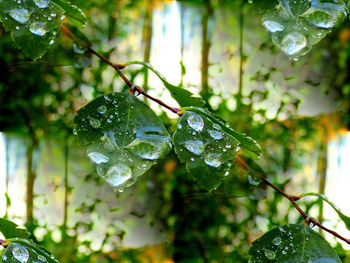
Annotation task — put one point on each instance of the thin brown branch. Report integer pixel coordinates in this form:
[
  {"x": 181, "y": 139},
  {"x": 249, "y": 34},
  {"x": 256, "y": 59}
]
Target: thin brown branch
[
  {"x": 310, "y": 221},
  {"x": 132, "y": 88}
]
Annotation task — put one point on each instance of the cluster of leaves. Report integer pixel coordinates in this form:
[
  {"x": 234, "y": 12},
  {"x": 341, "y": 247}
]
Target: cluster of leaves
[{"x": 298, "y": 25}]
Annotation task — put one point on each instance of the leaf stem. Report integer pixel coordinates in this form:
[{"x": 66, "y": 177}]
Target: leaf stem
[
  {"x": 136, "y": 90},
  {"x": 310, "y": 221}
]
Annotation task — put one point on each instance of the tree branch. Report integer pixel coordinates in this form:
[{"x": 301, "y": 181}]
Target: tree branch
[
  {"x": 134, "y": 89},
  {"x": 310, "y": 221}
]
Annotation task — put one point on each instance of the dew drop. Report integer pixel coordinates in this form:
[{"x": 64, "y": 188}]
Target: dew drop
[
  {"x": 320, "y": 18},
  {"x": 252, "y": 180},
  {"x": 20, "y": 15},
  {"x": 20, "y": 253},
  {"x": 98, "y": 158},
  {"x": 273, "y": 26},
  {"x": 78, "y": 50},
  {"x": 195, "y": 147},
  {"x": 196, "y": 122},
  {"x": 52, "y": 41},
  {"x": 270, "y": 255},
  {"x": 41, "y": 3},
  {"x": 38, "y": 28},
  {"x": 277, "y": 241},
  {"x": 42, "y": 259},
  {"x": 94, "y": 122},
  {"x": 118, "y": 174},
  {"x": 149, "y": 150},
  {"x": 216, "y": 135},
  {"x": 293, "y": 43},
  {"x": 216, "y": 126},
  {"x": 102, "y": 109},
  {"x": 213, "y": 159}
]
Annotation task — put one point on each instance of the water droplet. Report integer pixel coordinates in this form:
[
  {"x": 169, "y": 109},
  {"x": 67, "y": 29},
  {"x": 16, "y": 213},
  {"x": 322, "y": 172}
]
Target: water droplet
[
  {"x": 179, "y": 126},
  {"x": 149, "y": 150},
  {"x": 77, "y": 49},
  {"x": 38, "y": 28},
  {"x": 52, "y": 41},
  {"x": 284, "y": 252},
  {"x": 42, "y": 259},
  {"x": 213, "y": 159},
  {"x": 53, "y": 14},
  {"x": 75, "y": 131},
  {"x": 195, "y": 147},
  {"x": 41, "y": 3},
  {"x": 253, "y": 180},
  {"x": 277, "y": 241},
  {"x": 321, "y": 18},
  {"x": 102, "y": 109},
  {"x": 216, "y": 126},
  {"x": 20, "y": 253},
  {"x": 94, "y": 122},
  {"x": 20, "y": 15},
  {"x": 17, "y": 27},
  {"x": 228, "y": 146},
  {"x": 270, "y": 255},
  {"x": 273, "y": 26},
  {"x": 196, "y": 122},
  {"x": 98, "y": 158},
  {"x": 293, "y": 43},
  {"x": 216, "y": 135},
  {"x": 118, "y": 174}
]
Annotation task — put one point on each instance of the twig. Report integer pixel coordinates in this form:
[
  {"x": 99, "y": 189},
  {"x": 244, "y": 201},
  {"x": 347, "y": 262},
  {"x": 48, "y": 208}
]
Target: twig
[
  {"x": 132, "y": 88},
  {"x": 310, "y": 221},
  {"x": 3, "y": 243}
]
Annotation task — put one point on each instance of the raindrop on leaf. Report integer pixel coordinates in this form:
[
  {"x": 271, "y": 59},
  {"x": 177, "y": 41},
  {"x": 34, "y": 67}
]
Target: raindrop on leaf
[
  {"x": 20, "y": 15},
  {"x": 20, "y": 253},
  {"x": 196, "y": 122}
]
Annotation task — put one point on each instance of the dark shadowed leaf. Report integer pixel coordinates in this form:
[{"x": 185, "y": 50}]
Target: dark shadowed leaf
[
  {"x": 290, "y": 244},
  {"x": 263, "y": 6}
]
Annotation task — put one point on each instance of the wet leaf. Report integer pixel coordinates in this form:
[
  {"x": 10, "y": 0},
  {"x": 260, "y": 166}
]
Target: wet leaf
[
  {"x": 298, "y": 25},
  {"x": 181, "y": 95},
  {"x": 292, "y": 243},
  {"x": 34, "y": 24},
  {"x": 245, "y": 142},
  {"x": 10, "y": 230},
  {"x": 22, "y": 250},
  {"x": 72, "y": 11},
  {"x": 124, "y": 137},
  {"x": 207, "y": 150}
]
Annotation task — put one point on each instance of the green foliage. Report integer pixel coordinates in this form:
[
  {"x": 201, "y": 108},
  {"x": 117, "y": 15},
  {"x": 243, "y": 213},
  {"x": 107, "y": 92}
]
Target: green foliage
[
  {"x": 206, "y": 149},
  {"x": 125, "y": 137},
  {"x": 34, "y": 24},
  {"x": 292, "y": 243},
  {"x": 22, "y": 250},
  {"x": 298, "y": 25},
  {"x": 262, "y": 6},
  {"x": 10, "y": 230},
  {"x": 181, "y": 95}
]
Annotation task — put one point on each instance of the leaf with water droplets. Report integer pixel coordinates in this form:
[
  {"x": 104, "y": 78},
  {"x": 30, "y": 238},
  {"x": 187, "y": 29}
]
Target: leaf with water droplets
[
  {"x": 181, "y": 95},
  {"x": 124, "y": 137},
  {"x": 10, "y": 230},
  {"x": 25, "y": 251},
  {"x": 34, "y": 24},
  {"x": 297, "y": 25},
  {"x": 220, "y": 128},
  {"x": 207, "y": 150},
  {"x": 31, "y": 25},
  {"x": 292, "y": 243}
]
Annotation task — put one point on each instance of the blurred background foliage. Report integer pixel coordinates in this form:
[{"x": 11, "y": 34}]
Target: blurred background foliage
[{"x": 298, "y": 111}]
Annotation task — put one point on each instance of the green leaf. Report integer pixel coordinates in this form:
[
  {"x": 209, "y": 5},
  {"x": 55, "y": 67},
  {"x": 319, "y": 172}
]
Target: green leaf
[
  {"x": 181, "y": 95},
  {"x": 34, "y": 24},
  {"x": 22, "y": 250},
  {"x": 245, "y": 141},
  {"x": 343, "y": 217},
  {"x": 296, "y": 7},
  {"x": 298, "y": 25},
  {"x": 207, "y": 150},
  {"x": 292, "y": 243},
  {"x": 10, "y": 230},
  {"x": 32, "y": 28},
  {"x": 124, "y": 136},
  {"x": 263, "y": 6},
  {"x": 72, "y": 11}
]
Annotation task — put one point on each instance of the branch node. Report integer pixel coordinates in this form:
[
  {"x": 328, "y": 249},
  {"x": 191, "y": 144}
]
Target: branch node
[
  {"x": 311, "y": 221},
  {"x": 136, "y": 90}
]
